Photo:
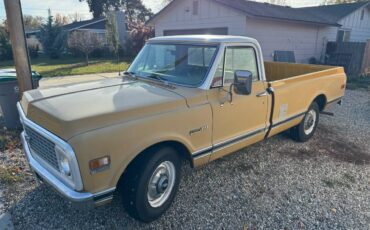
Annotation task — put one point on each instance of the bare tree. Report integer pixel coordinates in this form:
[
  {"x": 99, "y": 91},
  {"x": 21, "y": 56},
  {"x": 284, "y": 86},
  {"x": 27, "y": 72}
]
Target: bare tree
[{"x": 85, "y": 41}]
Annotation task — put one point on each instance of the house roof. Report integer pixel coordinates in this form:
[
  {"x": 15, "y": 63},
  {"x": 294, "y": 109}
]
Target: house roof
[
  {"x": 321, "y": 15},
  {"x": 83, "y": 24},
  {"x": 336, "y": 12}
]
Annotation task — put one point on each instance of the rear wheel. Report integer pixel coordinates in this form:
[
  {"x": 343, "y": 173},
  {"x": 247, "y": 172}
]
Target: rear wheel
[
  {"x": 150, "y": 185},
  {"x": 306, "y": 129}
]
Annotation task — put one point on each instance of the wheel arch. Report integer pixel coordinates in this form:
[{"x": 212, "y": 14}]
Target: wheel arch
[
  {"x": 181, "y": 148},
  {"x": 321, "y": 101}
]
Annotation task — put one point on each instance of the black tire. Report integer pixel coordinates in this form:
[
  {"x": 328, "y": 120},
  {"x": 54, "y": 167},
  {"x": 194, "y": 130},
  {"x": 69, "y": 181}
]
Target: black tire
[
  {"x": 134, "y": 186},
  {"x": 298, "y": 132}
]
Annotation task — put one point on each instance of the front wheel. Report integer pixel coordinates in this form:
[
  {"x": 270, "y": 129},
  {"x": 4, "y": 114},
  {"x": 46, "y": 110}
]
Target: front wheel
[
  {"x": 151, "y": 185},
  {"x": 306, "y": 129}
]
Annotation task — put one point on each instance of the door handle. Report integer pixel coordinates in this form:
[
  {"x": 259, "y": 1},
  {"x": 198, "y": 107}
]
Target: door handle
[{"x": 263, "y": 94}]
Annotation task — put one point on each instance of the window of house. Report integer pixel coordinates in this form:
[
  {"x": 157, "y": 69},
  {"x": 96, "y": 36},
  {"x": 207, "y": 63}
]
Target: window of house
[
  {"x": 195, "y": 7},
  {"x": 343, "y": 36}
]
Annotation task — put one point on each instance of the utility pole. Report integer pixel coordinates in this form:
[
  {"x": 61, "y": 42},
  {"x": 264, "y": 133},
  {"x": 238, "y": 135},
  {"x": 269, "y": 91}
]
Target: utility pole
[{"x": 19, "y": 46}]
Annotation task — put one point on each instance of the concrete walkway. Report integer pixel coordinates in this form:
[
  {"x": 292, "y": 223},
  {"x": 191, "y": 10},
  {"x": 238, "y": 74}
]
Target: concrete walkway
[{"x": 55, "y": 81}]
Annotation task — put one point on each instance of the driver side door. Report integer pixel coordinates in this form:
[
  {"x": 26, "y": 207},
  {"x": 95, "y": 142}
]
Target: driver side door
[{"x": 239, "y": 120}]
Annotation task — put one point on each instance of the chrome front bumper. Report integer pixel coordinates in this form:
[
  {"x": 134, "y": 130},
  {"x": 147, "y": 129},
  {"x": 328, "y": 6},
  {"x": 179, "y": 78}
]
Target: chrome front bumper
[{"x": 80, "y": 199}]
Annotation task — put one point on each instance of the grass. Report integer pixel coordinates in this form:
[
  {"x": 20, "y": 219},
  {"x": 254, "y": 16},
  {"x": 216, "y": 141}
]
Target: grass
[
  {"x": 7, "y": 176},
  {"x": 359, "y": 82},
  {"x": 71, "y": 66}
]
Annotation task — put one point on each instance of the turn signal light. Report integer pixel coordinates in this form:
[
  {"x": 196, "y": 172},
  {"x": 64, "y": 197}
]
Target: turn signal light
[{"x": 99, "y": 164}]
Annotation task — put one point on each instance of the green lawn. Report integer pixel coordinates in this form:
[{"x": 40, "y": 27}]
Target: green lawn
[{"x": 71, "y": 66}]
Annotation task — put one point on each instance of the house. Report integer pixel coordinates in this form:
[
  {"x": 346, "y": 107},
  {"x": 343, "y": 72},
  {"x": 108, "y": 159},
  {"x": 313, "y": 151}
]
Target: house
[
  {"x": 96, "y": 25},
  {"x": 305, "y": 31}
]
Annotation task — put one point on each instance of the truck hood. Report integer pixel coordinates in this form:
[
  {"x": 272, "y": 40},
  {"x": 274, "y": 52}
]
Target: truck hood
[{"x": 70, "y": 110}]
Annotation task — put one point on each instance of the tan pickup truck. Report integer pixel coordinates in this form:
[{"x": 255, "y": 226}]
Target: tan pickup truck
[{"x": 194, "y": 98}]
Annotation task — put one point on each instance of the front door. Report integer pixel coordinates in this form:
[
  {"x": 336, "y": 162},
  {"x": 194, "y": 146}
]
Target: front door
[{"x": 238, "y": 120}]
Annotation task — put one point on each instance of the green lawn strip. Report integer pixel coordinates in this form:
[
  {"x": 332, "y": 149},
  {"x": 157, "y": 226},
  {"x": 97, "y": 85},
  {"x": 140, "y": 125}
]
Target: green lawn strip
[{"x": 71, "y": 66}]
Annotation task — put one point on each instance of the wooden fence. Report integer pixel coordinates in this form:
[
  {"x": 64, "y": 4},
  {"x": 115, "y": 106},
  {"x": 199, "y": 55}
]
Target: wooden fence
[
  {"x": 366, "y": 61},
  {"x": 350, "y": 55}
]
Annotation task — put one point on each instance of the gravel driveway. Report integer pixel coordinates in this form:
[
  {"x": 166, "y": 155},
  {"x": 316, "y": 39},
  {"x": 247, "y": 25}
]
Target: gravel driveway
[{"x": 276, "y": 184}]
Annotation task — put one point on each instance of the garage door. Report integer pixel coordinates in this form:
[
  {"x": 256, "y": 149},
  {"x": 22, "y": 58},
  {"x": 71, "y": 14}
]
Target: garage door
[{"x": 215, "y": 31}]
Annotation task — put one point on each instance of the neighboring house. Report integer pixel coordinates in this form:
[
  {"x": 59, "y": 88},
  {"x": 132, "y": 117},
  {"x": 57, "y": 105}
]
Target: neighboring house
[
  {"x": 98, "y": 26},
  {"x": 305, "y": 31},
  {"x": 93, "y": 25}
]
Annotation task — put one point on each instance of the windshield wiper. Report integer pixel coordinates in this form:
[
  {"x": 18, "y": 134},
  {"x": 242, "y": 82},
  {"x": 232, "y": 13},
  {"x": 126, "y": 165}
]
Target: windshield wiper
[
  {"x": 130, "y": 74},
  {"x": 158, "y": 77}
]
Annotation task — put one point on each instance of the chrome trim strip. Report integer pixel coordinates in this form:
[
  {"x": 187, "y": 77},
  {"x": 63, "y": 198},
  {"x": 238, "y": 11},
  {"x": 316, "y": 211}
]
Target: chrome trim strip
[
  {"x": 224, "y": 144},
  {"x": 288, "y": 119},
  {"x": 59, "y": 186},
  {"x": 234, "y": 140},
  {"x": 76, "y": 182}
]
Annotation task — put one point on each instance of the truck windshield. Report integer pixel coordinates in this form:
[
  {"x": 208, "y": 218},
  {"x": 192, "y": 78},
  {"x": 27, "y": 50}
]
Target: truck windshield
[{"x": 174, "y": 63}]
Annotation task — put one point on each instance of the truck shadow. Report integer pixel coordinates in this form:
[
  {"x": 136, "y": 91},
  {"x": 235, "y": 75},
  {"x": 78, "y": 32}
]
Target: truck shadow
[{"x": 329, "y": 143}]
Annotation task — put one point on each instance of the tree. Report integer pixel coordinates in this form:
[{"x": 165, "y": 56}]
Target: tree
[
  {"x": 139, "y": 34},
  {"x": 5, "y": 47},
  {"x": 61, "y": 20},
  {"x": 84, "y": 41},
  {"x": 52, "y": 38},
  {"x": 32, "y": 22},
  {"x": 112, "y": 35},
  {"x": 75, "y": 17},
  {"x": 135, "y": 9}
]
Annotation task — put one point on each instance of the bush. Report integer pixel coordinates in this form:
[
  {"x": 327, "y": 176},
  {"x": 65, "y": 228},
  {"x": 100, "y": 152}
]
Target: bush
[
  {"x": 33, "y": 51},
  {"x": 5, "y": 47}
]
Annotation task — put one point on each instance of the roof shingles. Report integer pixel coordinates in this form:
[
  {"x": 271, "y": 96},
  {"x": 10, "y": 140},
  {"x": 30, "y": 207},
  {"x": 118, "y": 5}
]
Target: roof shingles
[{"x": 321, "y": 15}]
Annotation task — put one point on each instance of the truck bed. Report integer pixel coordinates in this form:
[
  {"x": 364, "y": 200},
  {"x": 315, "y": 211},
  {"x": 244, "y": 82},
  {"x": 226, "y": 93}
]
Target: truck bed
[
  {"x": 276, "y": 71},
  {"x": 296, "y": 86}
]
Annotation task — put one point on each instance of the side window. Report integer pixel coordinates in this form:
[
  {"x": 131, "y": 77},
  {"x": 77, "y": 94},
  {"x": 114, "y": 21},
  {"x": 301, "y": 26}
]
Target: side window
[{"x": 240, "y": 58}]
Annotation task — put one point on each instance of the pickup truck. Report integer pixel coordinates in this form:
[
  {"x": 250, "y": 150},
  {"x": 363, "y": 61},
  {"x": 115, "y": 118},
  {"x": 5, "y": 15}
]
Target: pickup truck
[{"x": 184, "y": 98}]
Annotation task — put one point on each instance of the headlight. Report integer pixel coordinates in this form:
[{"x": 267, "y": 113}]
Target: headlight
[{"x": 64, "y": 163}]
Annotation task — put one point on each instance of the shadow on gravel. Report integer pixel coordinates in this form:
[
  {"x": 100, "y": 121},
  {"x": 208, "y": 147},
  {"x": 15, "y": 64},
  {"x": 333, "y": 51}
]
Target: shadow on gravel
[{"x": 327, "y": 142}]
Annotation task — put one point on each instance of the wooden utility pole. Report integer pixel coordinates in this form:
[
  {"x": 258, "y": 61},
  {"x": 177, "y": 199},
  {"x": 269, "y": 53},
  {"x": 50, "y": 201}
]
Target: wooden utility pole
[{"x": 14, "y": 18}]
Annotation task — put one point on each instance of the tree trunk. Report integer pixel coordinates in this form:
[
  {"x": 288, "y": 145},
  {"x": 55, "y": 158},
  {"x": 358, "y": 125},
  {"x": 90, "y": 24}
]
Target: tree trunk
[{"x": 87, "y": 59}]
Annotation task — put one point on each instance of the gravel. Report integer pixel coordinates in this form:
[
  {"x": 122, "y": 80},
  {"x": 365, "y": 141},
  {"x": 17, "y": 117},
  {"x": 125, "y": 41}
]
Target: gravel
[{"x": 275, "y": 184}]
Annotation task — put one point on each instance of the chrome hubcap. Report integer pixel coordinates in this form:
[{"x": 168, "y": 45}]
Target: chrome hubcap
[
  {"x": 161, "y": 184},
  {"x": 309, "y": 122}
]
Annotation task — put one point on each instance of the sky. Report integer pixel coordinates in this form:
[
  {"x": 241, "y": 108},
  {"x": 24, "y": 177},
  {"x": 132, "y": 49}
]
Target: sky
[{"x": 66, "y": 7}]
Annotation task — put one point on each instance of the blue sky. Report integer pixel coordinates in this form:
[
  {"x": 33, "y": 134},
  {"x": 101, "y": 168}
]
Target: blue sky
[{"x": 66, "y": 7}]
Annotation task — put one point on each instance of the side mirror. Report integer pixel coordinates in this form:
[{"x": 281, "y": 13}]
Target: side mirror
[{"x": 243, "y": 80}]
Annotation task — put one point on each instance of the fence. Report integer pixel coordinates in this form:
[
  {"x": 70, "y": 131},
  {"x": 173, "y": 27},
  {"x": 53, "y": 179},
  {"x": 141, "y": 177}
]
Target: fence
[
  {"x": 350, "y": 55},
  {"x": 366, "y": 61}
]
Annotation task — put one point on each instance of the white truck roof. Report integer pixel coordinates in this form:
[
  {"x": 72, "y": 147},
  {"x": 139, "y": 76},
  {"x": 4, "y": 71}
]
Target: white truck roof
[{"x": 205, "y": 39}]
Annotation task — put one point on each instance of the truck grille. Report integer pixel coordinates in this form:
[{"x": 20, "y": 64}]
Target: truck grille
[{"x": 42, "y": 147}]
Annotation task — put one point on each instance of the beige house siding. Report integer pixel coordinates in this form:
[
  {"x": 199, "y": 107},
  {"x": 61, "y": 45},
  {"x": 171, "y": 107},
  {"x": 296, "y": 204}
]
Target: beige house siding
[
  {"x": 360, "y": 29},
  {"x": 304, "y": 39},
  {"x": 210, "y": 15}
]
